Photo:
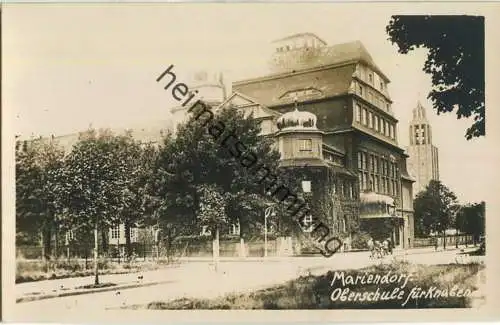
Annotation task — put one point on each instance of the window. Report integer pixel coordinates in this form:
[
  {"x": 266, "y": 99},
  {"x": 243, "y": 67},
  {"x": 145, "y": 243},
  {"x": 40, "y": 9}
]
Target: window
[
  {"x": 370, "y": 78},
  {"x": 375, "y": 122},
  {"x": 391, "y": 131},
  {"x": 360, "y": 160},
  {"x": 358, "y": 113},
  {"x": 115, "y": 232},
  {"x": 351, "y": 191},
  {"x": 305, "y": 144},
  {"x": 69, "y": 236},
  {"x": 308, "y": 222},
  {"x": 360, "y": 89},
  {"x": 381, "y": 85},
  {"x": 364, "y": 116},
  {"x": 375, "y": 162},
  {"x": 372, "y": 182},
  {"x": 365, "y": 161},
  {"x": 235, "y": 228},
  {"x": 370, "y": 97},
  {"x": 387, "y": 106},
  {"x": 377, "y": 184},
  {"x": 370, "y": 119},
  {"x": 134, "y": 234}
]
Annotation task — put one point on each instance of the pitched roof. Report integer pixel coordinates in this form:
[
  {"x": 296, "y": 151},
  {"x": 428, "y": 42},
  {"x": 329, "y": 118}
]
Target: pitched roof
[
  {"x": 152, "y": 131},
  {"x": 246, "y": 101},
  {"x": 351, "y": 51},
  {"x": 269, "y": 91}
]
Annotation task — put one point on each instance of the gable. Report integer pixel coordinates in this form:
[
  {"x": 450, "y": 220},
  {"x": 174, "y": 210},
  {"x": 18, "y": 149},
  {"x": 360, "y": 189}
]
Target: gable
[{"x": 249, "y": 106}]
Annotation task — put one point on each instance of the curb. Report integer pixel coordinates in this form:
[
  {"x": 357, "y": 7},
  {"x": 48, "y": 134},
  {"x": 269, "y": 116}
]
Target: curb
[{"x": 98, "y": 290}]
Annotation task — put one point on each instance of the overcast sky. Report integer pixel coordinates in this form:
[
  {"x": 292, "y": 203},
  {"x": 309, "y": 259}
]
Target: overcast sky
[{"x": 67, "y": 66}]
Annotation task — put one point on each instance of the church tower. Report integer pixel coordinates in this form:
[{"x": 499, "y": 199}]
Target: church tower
[{"x": 423, "y": 162}]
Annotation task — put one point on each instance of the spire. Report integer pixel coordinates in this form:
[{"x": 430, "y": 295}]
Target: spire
[
  {"x": 419, "y": 114},
  {"x": 420, "y": 129}
]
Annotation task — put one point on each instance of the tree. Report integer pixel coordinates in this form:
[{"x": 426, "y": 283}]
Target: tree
[
  {"x": 455, "y": 61},
  {"x": 434, "y": 209},
  {"x": 96, "y": 183},
  {"x": 138, "y": 160},
  {"x": 200, "y": 154},
  {"x": 39, "y": 179},
  {"x": 212, "y": 213},
  {"x": 471, "y": 220}
]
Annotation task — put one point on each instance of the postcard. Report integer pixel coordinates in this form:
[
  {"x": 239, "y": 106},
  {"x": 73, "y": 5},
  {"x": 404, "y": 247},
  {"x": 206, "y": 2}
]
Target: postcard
[{"x": 237, "y": 162}]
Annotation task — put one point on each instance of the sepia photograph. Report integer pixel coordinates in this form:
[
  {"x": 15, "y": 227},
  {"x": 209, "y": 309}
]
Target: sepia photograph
[{"x": 161, "y": 158}]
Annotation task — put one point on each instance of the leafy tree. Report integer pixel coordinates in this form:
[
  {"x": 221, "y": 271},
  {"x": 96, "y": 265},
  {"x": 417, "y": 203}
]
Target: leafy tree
[
  {"x": 198, "y": 155},
  {"x": 471, "y": 220},
  {"x": 138, "y": 162},
  {"x": 39, "y": 179},
  {"x": 212, "y": 213},
  {"x": 455, "y": 61},
  {"x": 96, "y": 184},
  {"x": 434, "y": 209}
]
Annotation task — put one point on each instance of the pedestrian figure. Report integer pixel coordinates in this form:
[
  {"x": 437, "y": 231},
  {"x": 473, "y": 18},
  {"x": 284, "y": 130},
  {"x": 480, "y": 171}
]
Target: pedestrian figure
[
  {"x": 389, "y": 245},
  {"x": 371, "y": 247},
  {"x": 378, "y": 249}
]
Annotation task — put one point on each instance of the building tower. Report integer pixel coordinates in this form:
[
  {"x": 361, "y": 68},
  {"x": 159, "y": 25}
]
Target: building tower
[{"x": 423, "y": 162}]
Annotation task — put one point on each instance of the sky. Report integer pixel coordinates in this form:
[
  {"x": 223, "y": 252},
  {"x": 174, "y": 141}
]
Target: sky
[{"x": 67, "y": 67}]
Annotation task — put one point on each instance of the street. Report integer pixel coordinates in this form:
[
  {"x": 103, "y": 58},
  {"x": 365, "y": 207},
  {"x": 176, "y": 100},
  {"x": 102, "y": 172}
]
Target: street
[{"x": 198, "y": 279}]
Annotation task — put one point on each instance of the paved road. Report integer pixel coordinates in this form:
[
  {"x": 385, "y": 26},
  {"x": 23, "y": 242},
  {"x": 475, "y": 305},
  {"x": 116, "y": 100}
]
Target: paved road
[{"x": 198, "y": 279}]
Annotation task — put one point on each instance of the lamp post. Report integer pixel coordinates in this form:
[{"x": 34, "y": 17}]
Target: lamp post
[
  {"x": 456, "y": 212},
  {"x": 269, "y": 212}
]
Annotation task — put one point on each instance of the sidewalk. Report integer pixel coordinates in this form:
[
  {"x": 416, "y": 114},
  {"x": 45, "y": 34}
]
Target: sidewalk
[{"x": 46, "y": 289}]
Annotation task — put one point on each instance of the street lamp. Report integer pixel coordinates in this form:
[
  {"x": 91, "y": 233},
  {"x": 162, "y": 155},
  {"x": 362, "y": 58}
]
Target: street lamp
[{"x": 269, "y": 212}]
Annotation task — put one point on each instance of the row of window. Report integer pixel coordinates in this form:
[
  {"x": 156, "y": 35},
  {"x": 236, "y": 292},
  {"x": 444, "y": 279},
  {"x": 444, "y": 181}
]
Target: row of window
[
  {"x": 345, "y": 189},
  {"x": 371, "y": 120},
  {"x": 419, "y": 134},
  {"x": 334, "y": 159},
  {"x": 376, "y": 165},
  {"x": 302, "y": 93},
  {"x": 373, "y": 98},
  {"x": 372, "y": 78},
  {"x": 378, "y": 184},
  {"x": 115, "y": 233},
  {"x": 306, "y": 43}
]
